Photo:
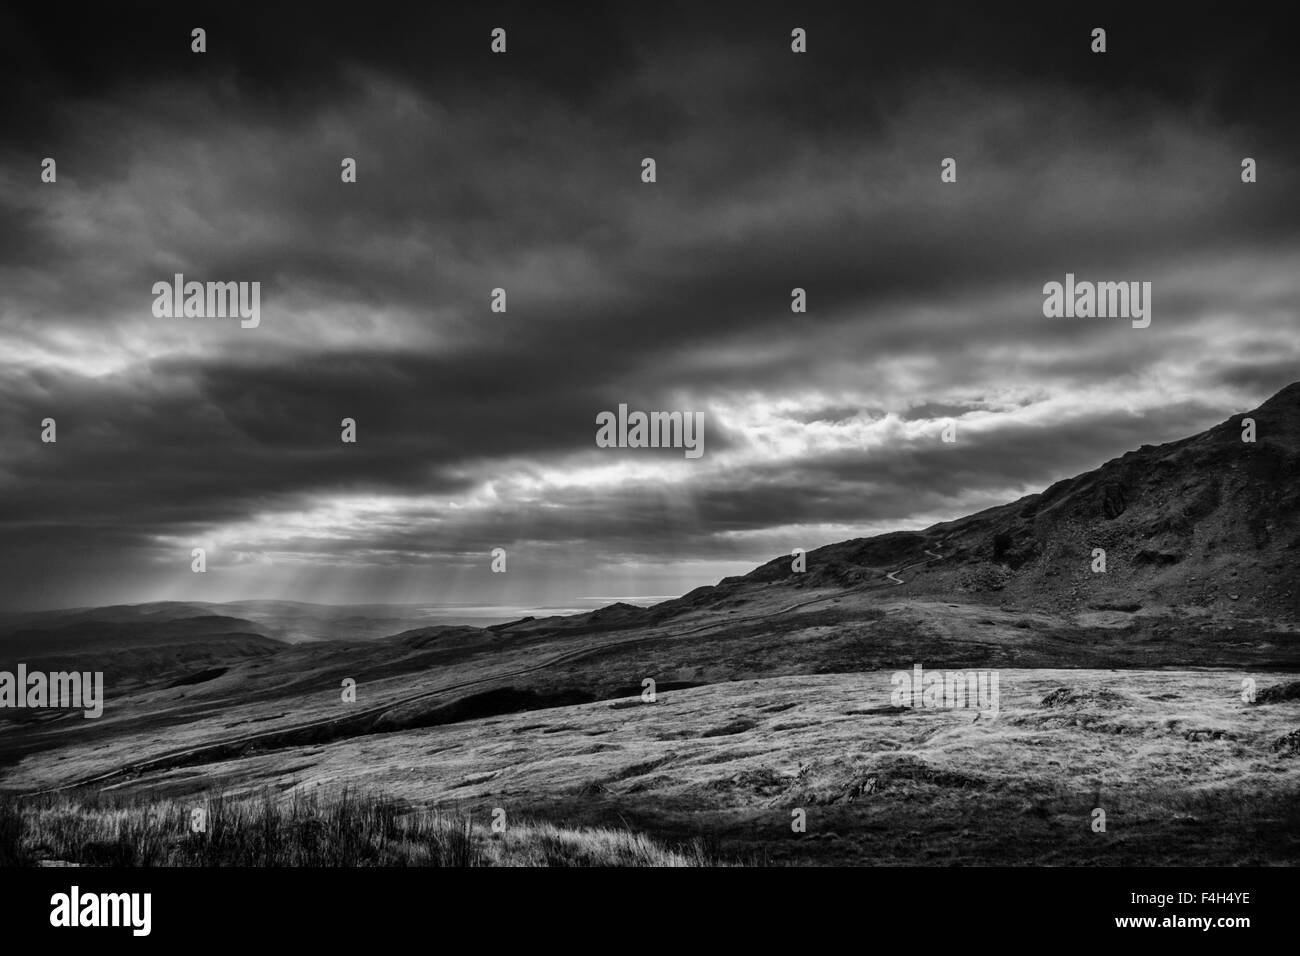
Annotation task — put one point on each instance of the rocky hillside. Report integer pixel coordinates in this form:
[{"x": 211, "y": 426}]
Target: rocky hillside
[{"x": 1209, "y": 522}]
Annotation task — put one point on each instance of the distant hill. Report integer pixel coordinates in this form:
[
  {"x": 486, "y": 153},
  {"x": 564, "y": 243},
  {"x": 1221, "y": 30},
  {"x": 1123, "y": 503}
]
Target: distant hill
[
  {"x": 137, "y": 647},
  {"x": 290, "y": 622}
]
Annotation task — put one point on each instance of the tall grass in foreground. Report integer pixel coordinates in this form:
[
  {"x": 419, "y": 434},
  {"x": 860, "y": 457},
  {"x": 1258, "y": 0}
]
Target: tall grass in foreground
[{"x": 344, "y": 828}]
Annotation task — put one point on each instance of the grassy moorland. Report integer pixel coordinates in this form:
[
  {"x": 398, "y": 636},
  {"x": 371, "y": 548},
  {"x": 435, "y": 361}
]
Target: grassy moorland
[
  {"x": 1185, "y": 770},
  {"x": 344, "y": 828}
]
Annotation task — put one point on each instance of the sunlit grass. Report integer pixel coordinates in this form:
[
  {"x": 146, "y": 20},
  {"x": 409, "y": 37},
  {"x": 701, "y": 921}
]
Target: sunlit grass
[{"x": 344, "y": 828}]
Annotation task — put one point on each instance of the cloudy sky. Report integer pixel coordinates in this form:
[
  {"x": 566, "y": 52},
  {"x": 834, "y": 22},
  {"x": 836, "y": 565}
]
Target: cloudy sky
[{"x": 523, "y": 171}]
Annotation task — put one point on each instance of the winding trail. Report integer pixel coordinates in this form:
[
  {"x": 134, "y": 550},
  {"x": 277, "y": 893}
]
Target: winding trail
[
  {"x": 283, "y": 736},
  {"x": 907, "y": 567}
]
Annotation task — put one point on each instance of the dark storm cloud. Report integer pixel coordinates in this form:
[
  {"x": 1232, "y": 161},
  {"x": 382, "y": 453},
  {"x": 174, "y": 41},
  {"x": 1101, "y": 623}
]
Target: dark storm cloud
[
  {"x": 521, "y": 171},
  {"x": 293, "y": 52},
  {"x": 211, "y": 443}
]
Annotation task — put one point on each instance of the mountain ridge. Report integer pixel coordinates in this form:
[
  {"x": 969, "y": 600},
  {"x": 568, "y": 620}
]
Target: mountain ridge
[{"x": 1211, "y": 503}]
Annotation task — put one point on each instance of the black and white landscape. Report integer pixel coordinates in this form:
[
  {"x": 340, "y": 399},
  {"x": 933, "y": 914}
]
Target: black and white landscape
[{"x": 688, "y": 435}]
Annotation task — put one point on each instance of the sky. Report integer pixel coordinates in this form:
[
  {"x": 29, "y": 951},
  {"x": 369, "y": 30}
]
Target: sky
[{"x": 523, "y": 171}]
